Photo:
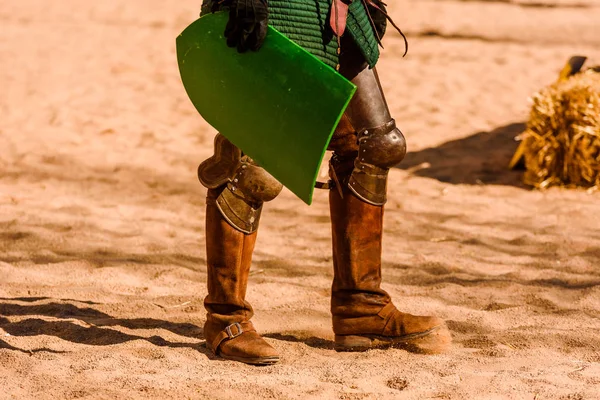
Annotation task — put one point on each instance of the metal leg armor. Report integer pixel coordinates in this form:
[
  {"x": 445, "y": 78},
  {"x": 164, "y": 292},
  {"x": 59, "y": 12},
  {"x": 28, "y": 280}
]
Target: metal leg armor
[{"x": 381, "y": 145}]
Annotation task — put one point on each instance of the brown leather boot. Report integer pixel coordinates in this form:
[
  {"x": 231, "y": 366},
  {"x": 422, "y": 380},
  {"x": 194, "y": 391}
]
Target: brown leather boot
[
  {"x": 228, "y": 330},
  {"x": 363, "y": 314}
]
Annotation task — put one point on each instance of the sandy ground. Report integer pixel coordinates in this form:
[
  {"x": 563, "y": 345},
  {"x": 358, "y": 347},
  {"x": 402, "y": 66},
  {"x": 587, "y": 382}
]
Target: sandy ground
[{"x": 102, "y": 260}]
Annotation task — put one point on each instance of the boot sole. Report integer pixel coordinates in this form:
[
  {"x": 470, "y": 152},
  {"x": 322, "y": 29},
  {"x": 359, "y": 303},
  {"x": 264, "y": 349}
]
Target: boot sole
[
  {"x": 252, "y": 361},
  {"x": 432, "y": 341}
]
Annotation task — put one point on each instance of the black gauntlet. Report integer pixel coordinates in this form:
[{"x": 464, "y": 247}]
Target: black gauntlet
[{"x": 248, "y": 22}]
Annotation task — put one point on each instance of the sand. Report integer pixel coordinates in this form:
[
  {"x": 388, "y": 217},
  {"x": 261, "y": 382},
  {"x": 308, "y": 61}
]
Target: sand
[{"x": 102, "y": 259}]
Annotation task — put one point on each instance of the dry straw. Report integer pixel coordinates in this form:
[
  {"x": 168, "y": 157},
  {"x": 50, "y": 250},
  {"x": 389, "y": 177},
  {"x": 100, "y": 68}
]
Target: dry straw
[{"x": 561, "y": 145}]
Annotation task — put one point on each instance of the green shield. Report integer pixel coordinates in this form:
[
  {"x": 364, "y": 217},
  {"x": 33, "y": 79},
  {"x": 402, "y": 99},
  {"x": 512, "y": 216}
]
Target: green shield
[{"x": 280, "y": 105}]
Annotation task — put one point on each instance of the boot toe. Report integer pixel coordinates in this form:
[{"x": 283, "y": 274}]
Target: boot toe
[
  {"x": 421, "y": 334},
  {"x": 437, "y": 341},
  {"x": 249, "y": 348},
  {"x": 415, "y": 324}
]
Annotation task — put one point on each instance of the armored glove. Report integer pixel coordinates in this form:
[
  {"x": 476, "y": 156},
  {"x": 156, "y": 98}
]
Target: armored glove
[{"x": 247, "y": 26}]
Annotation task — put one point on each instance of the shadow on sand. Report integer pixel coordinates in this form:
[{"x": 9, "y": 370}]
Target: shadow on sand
[
  {"x": 301, "y": 337},
  {"x": 97, "y": 331},
  {"x": 480, "y": 159}
]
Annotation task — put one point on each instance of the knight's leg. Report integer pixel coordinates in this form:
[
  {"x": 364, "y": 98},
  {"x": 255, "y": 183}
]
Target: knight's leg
[
  {"x": 363, "y": 314},
  {"x": 237, "y": 189},
  {"x": 381, "y": 144}
]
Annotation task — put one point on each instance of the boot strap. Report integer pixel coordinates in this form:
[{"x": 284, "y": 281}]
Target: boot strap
[
  {"x": 232, "y": 331},
  {"x": 387, "y": 313}
]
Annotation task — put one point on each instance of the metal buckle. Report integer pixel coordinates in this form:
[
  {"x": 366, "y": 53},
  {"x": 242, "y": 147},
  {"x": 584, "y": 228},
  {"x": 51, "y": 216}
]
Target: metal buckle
[{"x": 231, "y": 334}]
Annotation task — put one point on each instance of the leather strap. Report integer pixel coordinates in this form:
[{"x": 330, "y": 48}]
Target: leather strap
[
  {"x": 232, "y": 331},
  {"x": 387, "y": 312},
  {"x": 339, "y": 15},
  {"x": 377, "y": 6},
  {"x": 325, "y": 185}
]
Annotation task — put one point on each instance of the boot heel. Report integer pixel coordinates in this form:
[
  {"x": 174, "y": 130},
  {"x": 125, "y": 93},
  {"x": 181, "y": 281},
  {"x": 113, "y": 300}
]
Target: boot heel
[{"x": 352, "y": 343}]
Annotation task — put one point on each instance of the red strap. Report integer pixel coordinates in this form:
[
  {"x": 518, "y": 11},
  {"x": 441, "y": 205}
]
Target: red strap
[{"x": 339, "y": 15}]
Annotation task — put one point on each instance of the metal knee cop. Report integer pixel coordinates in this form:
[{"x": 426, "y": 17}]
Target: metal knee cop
[
  {"x": 246, "y": 185},
  {"x": 379, "y": 149}
]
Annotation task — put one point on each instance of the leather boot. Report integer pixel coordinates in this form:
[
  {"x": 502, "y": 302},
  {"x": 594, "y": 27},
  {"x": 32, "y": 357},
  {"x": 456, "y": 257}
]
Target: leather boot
[
  {"x": 228, "y": 330},
  {"x": 363, "y": 314}
]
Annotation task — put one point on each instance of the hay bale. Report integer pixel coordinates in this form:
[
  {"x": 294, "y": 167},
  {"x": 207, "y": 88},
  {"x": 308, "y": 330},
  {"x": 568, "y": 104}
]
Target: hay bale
[{"x": 561, "y": 145}]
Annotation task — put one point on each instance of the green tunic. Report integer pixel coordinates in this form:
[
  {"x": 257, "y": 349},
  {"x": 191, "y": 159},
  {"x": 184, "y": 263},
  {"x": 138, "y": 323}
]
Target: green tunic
[{"x": 306, "y": 22}]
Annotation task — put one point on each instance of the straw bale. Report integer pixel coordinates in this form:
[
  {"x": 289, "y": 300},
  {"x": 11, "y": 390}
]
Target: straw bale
[{"x": 561, "y": 144}]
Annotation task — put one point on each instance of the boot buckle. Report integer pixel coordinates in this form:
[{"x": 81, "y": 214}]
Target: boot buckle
[{"x": 238, "y": 332}]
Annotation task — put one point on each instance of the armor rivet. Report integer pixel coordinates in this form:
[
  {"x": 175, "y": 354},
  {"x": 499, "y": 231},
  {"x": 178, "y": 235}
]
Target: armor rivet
[
  {"x": 243, "y": 166},
  {"x": 235, "y": 180},
  {"x": 251, "y": 220}
]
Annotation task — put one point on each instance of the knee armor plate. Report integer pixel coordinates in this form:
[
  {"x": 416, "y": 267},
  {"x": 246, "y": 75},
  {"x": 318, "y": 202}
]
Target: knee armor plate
[
  {"x": 379, "y": 149},
  {"x": 248, "y": 185}
]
